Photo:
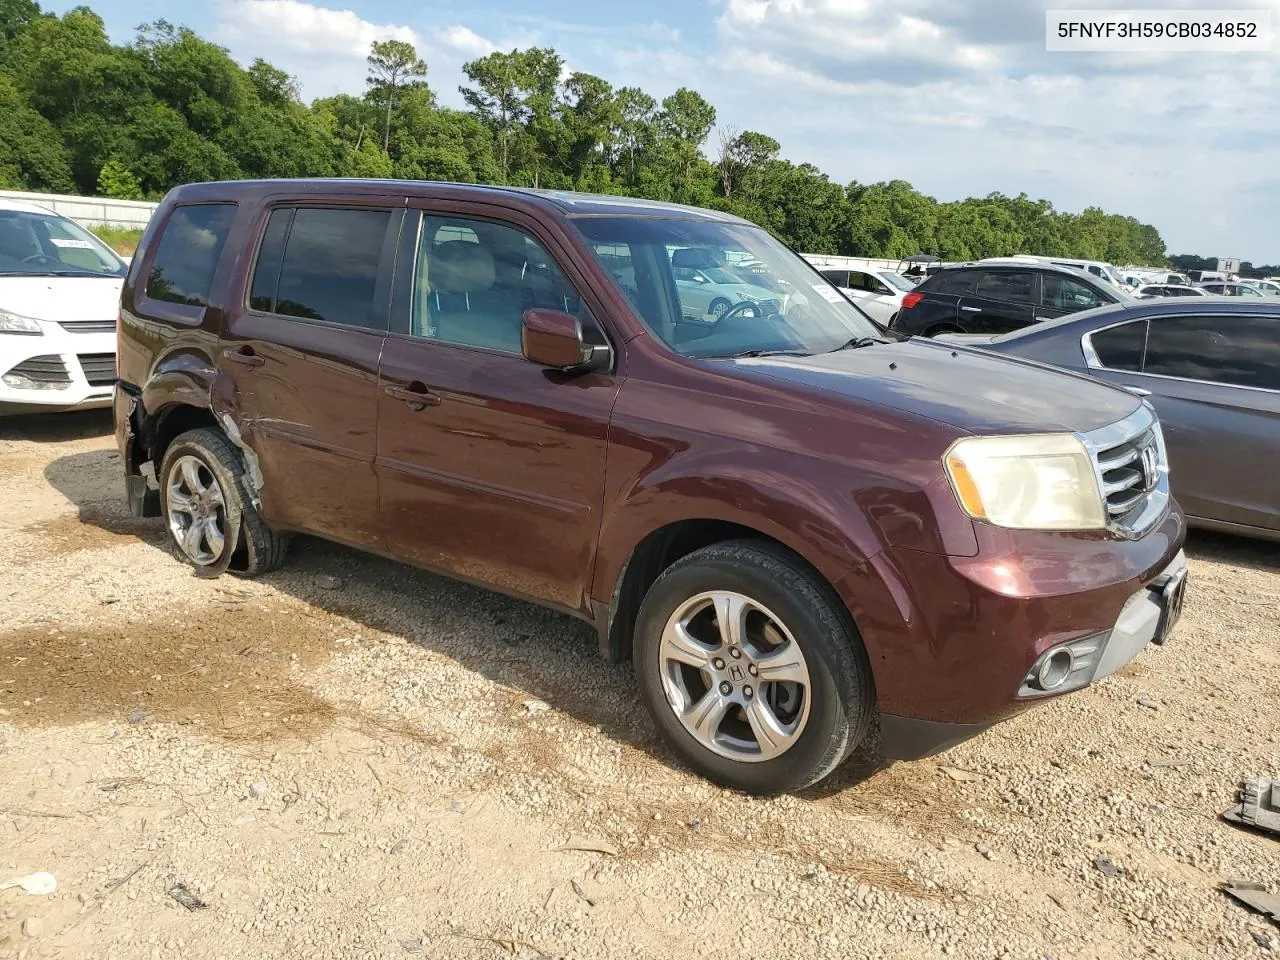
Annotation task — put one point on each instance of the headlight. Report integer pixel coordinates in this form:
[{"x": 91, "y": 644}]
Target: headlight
[
  {"x": 12, "y": 323},
  {"x": 1035, "y": 482}
]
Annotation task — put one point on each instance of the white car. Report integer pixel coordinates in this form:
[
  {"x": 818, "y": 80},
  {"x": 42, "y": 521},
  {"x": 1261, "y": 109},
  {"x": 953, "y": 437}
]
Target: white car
[
  {"x": 1268, "y": 288},
  {"x": 59, "y": 298},
  {"x": 713, "y": 291},
  {"x": 878, "y": 292},
  {"x": 1148, "y": 290}
]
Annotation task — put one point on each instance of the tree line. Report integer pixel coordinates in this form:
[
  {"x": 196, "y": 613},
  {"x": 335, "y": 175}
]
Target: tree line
[{"x": 79, "y": 114}]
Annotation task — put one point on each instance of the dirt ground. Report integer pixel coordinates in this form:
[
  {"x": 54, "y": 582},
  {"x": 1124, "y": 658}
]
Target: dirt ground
[{"x": 350, "y": 758}]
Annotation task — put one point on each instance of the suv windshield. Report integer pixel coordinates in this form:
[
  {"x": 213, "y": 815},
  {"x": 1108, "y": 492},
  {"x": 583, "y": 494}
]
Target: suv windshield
[
  {"x": 46, "y": 245},
  {"x": 786, "y": 307}
]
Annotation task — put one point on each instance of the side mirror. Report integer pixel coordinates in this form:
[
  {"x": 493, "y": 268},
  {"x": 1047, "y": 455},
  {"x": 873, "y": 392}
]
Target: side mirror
[{"x": 554, "y": 339}]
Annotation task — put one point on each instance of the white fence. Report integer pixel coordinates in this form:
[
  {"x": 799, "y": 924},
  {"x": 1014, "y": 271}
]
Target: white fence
[
  {"x": 824, "y": 262},
  {"x": 91, "y": 211}
]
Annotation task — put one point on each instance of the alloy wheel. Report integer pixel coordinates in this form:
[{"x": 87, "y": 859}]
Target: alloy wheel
[
  {"x": 734, "y": 676},
  {"x": 197, "y": 511}
]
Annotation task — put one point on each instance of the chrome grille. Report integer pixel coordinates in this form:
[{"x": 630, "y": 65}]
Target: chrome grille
[
  {"x": 46, "y": 369},
  {"x": 99, "y": 368},
  {"x": 89, "y": 326},
  {"x": 1132, "y": 471}
]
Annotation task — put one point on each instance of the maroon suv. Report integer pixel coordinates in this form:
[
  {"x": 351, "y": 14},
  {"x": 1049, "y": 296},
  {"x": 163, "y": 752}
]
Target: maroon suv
[{"x": 788, "y": 519}]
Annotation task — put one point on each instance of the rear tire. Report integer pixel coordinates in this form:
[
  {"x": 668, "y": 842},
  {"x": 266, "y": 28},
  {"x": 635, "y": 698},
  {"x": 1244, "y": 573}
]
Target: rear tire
[
  {"x": 212, "y": 520},
  {"x": 942, "y": 328},
  {"x": 724, "y": 715}
]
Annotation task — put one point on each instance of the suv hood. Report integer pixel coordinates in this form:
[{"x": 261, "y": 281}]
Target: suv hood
[
  {"x": 58, "y": 299},
  {"x": 974, "y": 391}
]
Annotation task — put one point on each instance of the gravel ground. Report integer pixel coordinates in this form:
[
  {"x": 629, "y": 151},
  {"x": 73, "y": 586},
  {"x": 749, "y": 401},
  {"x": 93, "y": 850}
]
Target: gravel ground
[{"x": 350, "y": 758}]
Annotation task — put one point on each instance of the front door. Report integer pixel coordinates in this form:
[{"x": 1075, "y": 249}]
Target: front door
[
  {"x": 1061, "y": 295},
  {"x": 491, "y": 468},
  {"x": 1002, "y": 300},
  {"x": 304, "y": 359}
]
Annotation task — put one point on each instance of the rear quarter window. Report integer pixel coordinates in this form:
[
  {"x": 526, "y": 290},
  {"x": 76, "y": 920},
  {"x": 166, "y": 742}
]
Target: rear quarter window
[{"x": 187, "y": 253}]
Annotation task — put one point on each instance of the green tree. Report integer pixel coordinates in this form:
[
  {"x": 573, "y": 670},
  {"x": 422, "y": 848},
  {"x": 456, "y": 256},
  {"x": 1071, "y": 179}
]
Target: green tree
[
  {"x": 393, "y": 65},
  {"x": 116, "y": 180}
]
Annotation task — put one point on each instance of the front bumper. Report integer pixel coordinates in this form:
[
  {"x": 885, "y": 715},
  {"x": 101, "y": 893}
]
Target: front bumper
[
  {"x": 952, "y": 640},
  {"x": 57, "y": 371},
  {"x": 1145, "y": 618}
]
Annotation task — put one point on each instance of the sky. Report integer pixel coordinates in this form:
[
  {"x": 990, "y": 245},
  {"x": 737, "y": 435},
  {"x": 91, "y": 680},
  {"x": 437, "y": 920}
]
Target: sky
[{"x": 960, "y": 99}]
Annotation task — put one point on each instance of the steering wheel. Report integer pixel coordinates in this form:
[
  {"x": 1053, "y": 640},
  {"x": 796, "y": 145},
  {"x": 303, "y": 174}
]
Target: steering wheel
[
  {"x": 40, "y": 258},
  {"x": 746, "y": 309}
]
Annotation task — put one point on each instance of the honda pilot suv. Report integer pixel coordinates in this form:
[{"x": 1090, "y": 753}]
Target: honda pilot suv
[{"x": 794, "y": 525}]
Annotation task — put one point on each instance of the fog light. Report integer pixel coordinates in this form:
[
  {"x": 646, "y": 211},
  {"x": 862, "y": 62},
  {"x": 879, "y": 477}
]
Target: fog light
[
  {"x": 1068, "y": 666},
  {"x": 20, "y": 381},
  {"x": 1054, "y": 671}
]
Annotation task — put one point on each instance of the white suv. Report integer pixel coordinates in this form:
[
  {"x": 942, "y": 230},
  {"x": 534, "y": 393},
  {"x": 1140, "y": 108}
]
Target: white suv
[{"x": 59, "y": 298}]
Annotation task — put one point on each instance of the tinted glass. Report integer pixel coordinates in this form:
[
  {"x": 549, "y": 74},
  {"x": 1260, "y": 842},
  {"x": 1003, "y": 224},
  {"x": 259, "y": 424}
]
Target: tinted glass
[
  {"x": 838, "y": 277},
  {"x": 474, "y": 291},
  {"x": 266, "y": 274},
  {"x": 330, "y": 266},
  {"x": 1241, "y": 350},
  {"x": 1120, "y": 348},
  {"x": 950, "y": 281},
  {"x": 1014, "y": 286},
  {"x": 1066, "y": 293},
  {"x": 188, "y": 252}
]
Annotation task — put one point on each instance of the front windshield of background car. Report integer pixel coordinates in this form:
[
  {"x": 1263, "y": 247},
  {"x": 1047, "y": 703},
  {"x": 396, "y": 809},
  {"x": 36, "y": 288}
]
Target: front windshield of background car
[
  {"x": 46, "y": 245},
  {"x": 805, "y": 314},
  {"x": 896, "y": 280}
]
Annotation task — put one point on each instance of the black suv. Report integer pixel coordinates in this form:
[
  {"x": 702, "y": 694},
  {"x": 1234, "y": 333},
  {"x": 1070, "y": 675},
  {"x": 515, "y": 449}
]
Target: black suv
[{"x": 998, "y": 298}]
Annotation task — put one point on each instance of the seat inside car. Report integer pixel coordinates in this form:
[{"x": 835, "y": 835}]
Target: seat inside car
[{"x": 465, "y": 304}]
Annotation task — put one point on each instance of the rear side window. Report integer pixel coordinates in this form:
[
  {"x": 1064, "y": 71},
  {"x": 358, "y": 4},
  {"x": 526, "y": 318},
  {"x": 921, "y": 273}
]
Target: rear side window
[
  {"x": 187, "y": 254},
  {"x": 838, "y": 278},
  {"x": 322, "y": 264},
  {"x": 1120, "y": 348},
  {"x": 1011, "y": 285},
  {"x": 950, "y": 281},
  {"x": 1239, "y": 350}
]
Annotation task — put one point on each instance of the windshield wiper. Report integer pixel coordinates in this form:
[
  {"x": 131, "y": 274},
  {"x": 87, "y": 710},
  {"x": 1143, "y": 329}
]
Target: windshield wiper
[
  {"x": 748, "y": 354},
  {"x": 857, "y": 342}
]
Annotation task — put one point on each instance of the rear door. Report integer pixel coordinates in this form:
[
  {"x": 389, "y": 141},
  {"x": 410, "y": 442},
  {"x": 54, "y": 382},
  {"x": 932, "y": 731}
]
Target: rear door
[
  {"x": 1002, "y": 300},
  {"x": 491, "y": 467},
  {"x": 303, "y": 351},
  {"x": 1215, "y": 381}
]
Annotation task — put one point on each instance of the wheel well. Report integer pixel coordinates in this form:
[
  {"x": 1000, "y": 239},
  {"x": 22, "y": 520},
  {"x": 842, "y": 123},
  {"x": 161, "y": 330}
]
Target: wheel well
[
  {"x": 654, "y": 554},
  {"x": 938, "y": 328},
  {"x": 172, "y": 422}
]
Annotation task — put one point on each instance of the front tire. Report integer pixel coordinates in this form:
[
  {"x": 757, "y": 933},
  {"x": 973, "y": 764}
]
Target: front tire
[
  {"x": 211, "y": 517},
  {"x": 718, "y": 307},
  {"x": 751, "y": 668}
]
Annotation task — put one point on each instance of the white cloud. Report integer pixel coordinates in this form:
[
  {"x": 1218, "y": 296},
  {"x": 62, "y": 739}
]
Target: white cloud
[
  {"x": 466, "y": 41},
  {"x": 303, "y": 29}
]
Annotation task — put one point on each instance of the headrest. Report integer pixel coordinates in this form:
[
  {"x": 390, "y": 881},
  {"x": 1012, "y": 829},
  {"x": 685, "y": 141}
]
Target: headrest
[
  {"x": 693, "y": 258},
  {"x": 460, "y": 266}
]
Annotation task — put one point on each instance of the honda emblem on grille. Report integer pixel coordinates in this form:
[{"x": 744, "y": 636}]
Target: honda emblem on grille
[{"x": 1150, "y": 468}]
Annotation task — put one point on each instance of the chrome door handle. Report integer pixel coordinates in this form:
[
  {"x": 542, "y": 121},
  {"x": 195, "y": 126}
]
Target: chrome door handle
[
  {"x": 1136, "y": 390},
  {"x": 971, "y": 309},
  {"x": 244, "y": 356},
  {"x": 417, "y": 396}
]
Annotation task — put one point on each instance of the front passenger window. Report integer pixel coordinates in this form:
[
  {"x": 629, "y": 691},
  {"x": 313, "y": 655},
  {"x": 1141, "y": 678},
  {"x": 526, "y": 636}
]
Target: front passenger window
[{"x": 474, "y": 292}]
